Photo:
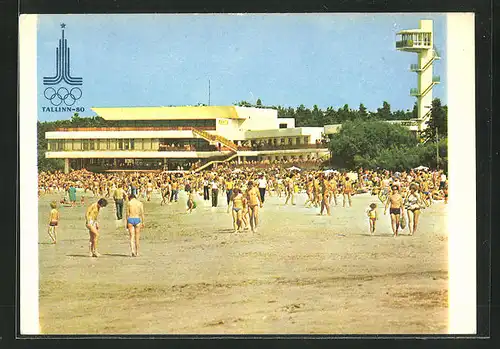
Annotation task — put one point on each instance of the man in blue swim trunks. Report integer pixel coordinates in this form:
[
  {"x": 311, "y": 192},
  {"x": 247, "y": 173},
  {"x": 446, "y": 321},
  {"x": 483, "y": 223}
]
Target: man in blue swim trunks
[{"x": 135, "y": 221}]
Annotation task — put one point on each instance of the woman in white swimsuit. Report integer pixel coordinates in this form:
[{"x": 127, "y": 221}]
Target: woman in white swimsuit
[{"x": 412, "y": 204}]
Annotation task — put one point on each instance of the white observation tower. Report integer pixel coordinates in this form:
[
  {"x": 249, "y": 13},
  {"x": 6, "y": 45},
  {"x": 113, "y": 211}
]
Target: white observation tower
[{"x": 421, "y": 41}]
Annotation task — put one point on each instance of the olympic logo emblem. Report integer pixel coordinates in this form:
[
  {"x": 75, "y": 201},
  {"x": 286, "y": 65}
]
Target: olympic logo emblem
[{"x": 62, "y": 94}]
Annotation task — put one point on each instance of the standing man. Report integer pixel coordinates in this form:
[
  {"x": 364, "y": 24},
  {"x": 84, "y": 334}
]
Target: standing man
[
  {"x": 175, "y": 190},
  {"x": 325, "y": 195},
  {"x": 72, "y": 194},
  {"x": 262, "y": 187},
  {"x": 93, "y": 226},
  {"x": 229, "y": 189},
  {"x": 442, "y": 181},
  {"x": 135, "y": 221},
  {"x": 254, "y": 201},
  {"x": 206, "y": 193},
  {"x": 395, "y": 201},
  {"x": 119, "y": 195},
  {"x": 215, "y": 192}
]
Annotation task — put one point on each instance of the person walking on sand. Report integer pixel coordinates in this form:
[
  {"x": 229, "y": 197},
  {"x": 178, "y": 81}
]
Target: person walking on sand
[
  {"x": 347, "y": 191},
  {"x": 290, "y": 187},
  {"x": 72, "y": 194},
  {"x": 119, "y": 195},
  {"x": 262, "y": 187},
  {"x": 149, "y": 190},
  {"x": 254, "y": 201},
  {"x": 135, "y": 221},
  {"x": 395, "y": 201},
  {"x": 93, "y": 226},
  {"x": 229, "y": 185},
  {"x": 237, "y": 209},
  {"x": 53, "y": 222},
  {"x": 215, "y": 192},
  {"x": 325, "y": 196},
  {"x": 309, "y": 192},
  {"x": 413, "y": 204},
  {"x": 372, "y": 216}
]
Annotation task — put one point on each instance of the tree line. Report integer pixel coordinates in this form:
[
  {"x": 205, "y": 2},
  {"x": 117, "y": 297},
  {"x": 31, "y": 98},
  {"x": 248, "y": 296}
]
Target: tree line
[{"x": 316, "y": 117}]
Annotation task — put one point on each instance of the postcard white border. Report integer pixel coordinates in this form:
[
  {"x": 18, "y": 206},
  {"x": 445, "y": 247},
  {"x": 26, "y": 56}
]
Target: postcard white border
[
  {"x": 462, "y": 173},
  {"x": 28, "y": 175}
]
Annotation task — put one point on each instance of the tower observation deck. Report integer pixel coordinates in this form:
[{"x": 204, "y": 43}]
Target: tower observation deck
[{"x": 421, "y": 41}]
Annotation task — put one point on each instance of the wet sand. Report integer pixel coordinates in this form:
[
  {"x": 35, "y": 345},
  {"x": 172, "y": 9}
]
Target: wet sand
[{"x": 300, "y": 274}]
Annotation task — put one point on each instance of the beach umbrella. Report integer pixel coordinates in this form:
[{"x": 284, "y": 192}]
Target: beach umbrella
[
  {"x": 421, "y": 168},
  {"x": 293, "y": 168},
  {"x": 237, "y": 170},
  {"x": 331, "y": 171}
]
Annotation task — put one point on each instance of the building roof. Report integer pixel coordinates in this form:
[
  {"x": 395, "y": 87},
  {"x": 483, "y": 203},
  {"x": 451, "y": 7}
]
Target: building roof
[
  {"x": 168, "y": 113},
  {"x": 412, "y": 31}
]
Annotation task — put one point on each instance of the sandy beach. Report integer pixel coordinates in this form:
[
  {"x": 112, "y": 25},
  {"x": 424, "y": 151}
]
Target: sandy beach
[{"x": 300, "y": 274}]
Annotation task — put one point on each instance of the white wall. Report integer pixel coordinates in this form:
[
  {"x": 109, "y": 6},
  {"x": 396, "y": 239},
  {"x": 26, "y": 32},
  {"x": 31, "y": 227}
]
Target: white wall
[
  {"x": 331, "y": 129},
  {"x": 230, "y": 128},
  {"x": 257, "y": 118},
  {"x": 290, "y": 122},
  {"x": 315, "y": 133}
]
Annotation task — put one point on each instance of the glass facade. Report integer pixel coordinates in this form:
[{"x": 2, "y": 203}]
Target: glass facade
[{"x": 127, "y": 144}]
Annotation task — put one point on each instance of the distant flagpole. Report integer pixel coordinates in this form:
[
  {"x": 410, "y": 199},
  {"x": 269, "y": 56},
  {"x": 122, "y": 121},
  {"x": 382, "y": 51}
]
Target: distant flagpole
[{"x": 208, "y": 91}]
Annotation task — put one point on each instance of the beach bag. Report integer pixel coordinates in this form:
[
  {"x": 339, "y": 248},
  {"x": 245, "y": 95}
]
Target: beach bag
[{"x": 402, "y": 221}]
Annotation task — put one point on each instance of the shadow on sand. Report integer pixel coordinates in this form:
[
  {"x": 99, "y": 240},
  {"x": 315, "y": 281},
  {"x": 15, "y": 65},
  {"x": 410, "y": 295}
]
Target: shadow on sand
[
  {"x": 225, "y": 231},
  {"x": 116, "y": 255}
]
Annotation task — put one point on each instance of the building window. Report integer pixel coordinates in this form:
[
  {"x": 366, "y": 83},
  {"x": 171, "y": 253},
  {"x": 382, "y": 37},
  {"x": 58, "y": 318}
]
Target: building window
[
  {"x": 103, "y": 144},
  {"x": 132, "y": 144},
  {"x": 283, "y": 125},
  {"x": 77, "y": 144},
  {"x": 120, "y": 144},
  {"x": 138, "y": 144},
  {"x": 92, "y": 144}
]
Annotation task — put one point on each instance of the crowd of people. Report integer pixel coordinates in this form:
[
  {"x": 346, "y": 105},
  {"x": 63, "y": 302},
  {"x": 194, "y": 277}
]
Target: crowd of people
[{"x": 244, "y": 188}]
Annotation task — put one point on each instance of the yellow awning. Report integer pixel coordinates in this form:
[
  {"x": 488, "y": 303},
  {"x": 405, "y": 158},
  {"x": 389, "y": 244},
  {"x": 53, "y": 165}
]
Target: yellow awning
[{"x": 167, "y": 113}]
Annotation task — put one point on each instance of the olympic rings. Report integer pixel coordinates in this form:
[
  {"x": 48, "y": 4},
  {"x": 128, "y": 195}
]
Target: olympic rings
[{"x": 62, "y": 95}]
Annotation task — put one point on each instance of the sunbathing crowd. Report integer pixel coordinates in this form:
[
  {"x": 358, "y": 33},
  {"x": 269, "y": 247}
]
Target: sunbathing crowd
[{"x": 243, "y": 188}]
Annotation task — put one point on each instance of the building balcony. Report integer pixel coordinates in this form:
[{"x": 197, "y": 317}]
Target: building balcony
[
  {"x": 284, "y": 146},
  {"x": 414, "y": 67},
  {"x": 404, "y": 44}
]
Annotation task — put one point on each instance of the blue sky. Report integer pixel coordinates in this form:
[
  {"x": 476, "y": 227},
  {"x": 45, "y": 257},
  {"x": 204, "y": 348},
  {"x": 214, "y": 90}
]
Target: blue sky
[{"x": 288, "y": 60}]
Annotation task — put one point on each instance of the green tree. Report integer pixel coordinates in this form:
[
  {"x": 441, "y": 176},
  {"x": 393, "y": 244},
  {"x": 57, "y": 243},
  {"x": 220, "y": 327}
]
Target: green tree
[
  {"x": 258, "y": 103},
  {"x": 317, "y": 117},
  {"x": 384, "y": 113},
  {"x": 330, "y": 116},
  {"x": 438, "y": 121},
  {"x": 360, "y": 143},
  {"x": 363, "y": 114}
]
